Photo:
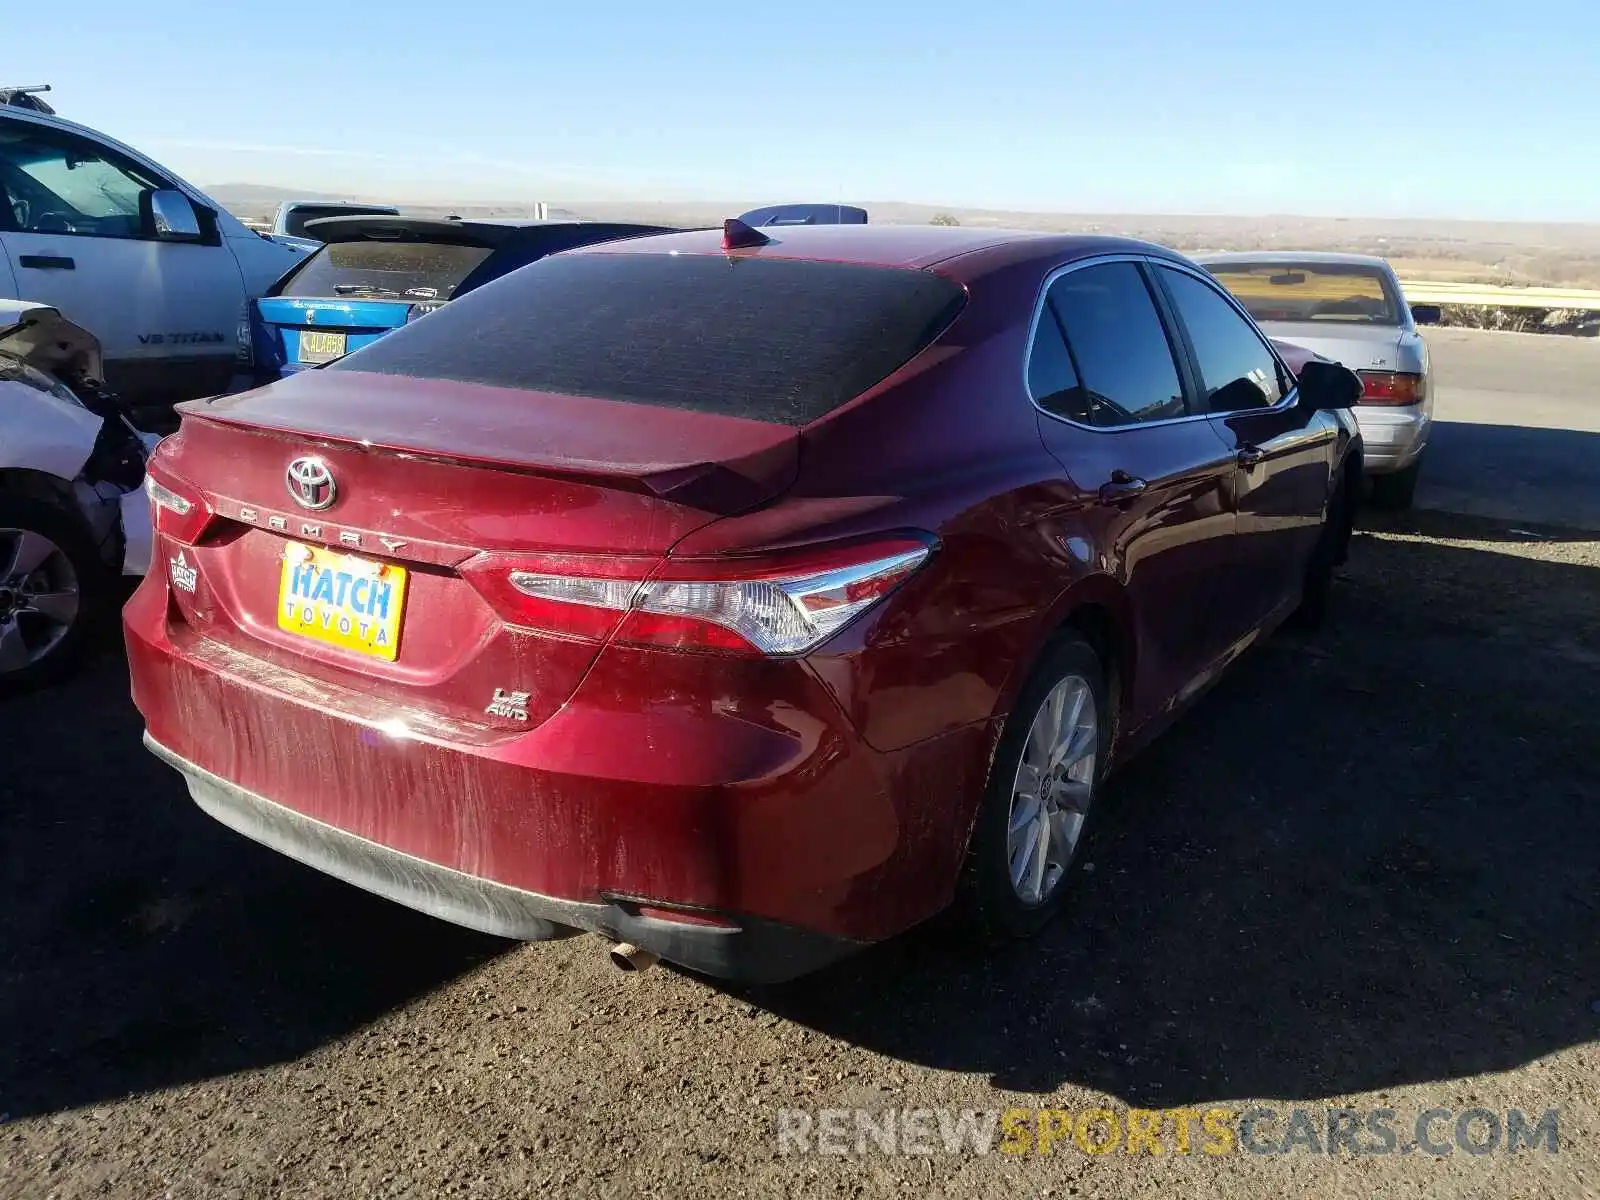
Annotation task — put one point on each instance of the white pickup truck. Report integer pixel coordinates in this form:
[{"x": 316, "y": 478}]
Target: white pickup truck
[{"x": 147, "y": 263}]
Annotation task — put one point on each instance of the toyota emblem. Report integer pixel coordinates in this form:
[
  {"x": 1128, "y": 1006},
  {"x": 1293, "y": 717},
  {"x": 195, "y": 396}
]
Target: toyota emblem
[{"x": 310, "y": 483}]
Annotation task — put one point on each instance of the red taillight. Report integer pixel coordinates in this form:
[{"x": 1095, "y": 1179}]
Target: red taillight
[
  {"x": 785, "y": 603},
  {"x": 175, "y": 510},
  {"x": 1392, "y": 387},
  {"x": 576, "y": 596}
]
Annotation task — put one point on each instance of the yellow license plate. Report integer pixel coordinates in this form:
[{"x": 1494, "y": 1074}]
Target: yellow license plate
[
  {"x": 319, "y": 346},
  {"x": 341, "y": 600}
]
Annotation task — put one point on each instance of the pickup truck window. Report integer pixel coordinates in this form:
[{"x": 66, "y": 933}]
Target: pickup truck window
[{"x": 61, "y": 185}]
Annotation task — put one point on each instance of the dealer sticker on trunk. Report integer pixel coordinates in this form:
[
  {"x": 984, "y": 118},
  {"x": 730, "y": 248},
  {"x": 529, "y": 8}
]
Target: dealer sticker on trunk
[{"x": 342, "y": 600}]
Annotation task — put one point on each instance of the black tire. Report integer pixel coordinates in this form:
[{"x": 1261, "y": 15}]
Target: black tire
[
  {"x": 93, "y": 579},
  {"x": 1397, "y": 490},
  {"x": 1330, "y": 551},
  {"x": 987, "y": 902}
]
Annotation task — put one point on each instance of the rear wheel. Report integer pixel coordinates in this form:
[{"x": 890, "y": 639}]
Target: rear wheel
[
  {"x": 1041, "y": 786},
  {"x": 1398, "y": 489},
  {"x": 52, "y": 588}
]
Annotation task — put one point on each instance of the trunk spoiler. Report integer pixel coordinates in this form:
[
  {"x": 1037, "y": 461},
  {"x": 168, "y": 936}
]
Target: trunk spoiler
[{"x": 713, "y": 463}]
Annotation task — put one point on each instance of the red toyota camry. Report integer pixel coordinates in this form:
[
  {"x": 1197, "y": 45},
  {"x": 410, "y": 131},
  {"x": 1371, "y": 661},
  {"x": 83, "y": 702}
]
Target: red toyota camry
[{"x": 742, "y": 598}]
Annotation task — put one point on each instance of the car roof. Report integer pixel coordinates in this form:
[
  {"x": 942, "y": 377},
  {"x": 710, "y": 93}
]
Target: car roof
[
  {"x": 495, "y": 233},
  {"x": 53, "y": 119},
  {"x": 1283, "y": 257},
  {"x": 964, "y": 252},
  {"x": 87, "y": 132}
]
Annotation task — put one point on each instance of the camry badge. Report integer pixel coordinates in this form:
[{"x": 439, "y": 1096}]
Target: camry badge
[{"x": 310, "y": 483}]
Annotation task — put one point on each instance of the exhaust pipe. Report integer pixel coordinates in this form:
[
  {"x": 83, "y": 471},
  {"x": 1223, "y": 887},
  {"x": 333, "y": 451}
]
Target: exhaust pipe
[{"x": 625, "y": 956}]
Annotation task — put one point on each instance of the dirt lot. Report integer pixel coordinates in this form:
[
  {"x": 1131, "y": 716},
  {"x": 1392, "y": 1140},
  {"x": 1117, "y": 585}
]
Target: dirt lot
[{"x": 1363, "y": 870}]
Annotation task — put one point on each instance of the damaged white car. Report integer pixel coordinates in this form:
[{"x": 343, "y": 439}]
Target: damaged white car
[{"x": 73, "y": 513}]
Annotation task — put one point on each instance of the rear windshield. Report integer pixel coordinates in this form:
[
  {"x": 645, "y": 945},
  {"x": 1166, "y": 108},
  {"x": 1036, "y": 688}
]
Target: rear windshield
[
  {"x": 408, "y": 270},
  {"x": 295, "y": 223},
  {"x": 1337, "y": 293},
  {"x": 775, "y": 340}
]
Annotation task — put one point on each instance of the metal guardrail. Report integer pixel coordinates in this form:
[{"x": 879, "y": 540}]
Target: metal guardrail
[{"x": 1422, "y": 292}]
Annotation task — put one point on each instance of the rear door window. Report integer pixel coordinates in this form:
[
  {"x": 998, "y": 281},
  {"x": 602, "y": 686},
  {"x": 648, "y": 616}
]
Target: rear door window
[
  {"x": 1237, "y": 369},
  {"x": 1052, "y": 379},
  {"x": 1124, "y": 362},
  {"x": 386, "y": 270},
  {"x": 778, "y": 340}
]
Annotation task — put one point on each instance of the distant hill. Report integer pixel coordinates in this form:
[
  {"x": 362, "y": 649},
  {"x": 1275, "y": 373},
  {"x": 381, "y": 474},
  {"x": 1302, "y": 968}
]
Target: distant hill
[
  {"x": 257, "y": 201},
  {"x": 1472, "y": 251}
]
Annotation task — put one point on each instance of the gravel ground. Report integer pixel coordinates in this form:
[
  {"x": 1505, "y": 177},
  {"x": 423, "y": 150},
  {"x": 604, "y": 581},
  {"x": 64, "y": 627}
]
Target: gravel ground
[{"x": 1363, "y": 871}]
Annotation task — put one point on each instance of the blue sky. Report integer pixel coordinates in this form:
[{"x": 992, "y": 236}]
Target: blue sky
[{"x": 1355, "y": 108}]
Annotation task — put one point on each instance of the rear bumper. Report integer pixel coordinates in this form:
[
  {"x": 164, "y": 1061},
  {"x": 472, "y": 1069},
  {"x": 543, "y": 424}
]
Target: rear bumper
[
  {"x": 1392, "y": 438},
  {"x": 735, "y": 790},
  {"x": 752, "y": 951}
]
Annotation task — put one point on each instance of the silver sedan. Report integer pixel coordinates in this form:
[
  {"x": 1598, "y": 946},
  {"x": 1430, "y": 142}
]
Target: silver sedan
[{"x": 1349, "y": 307}]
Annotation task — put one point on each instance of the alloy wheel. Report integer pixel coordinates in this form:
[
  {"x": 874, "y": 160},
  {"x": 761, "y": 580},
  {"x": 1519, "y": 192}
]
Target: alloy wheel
[
  {"x": 1052, "y": 790},
  {"x": 39, "y": 597}
]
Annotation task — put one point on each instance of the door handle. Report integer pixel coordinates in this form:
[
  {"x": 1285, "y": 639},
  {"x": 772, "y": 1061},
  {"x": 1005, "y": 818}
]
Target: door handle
[
  {"x": 1121, "y": 487},
  {"x": 46, "y": 262},
  {"x": 1249, "y": 456}
]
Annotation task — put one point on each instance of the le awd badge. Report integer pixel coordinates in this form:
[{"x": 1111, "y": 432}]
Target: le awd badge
[{"x": 509, "y": 704}]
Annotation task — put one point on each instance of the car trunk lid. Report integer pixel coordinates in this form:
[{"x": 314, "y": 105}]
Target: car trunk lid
[
  {"x": 1359, "y": 347},
  {"x": 430, "y": 480}
]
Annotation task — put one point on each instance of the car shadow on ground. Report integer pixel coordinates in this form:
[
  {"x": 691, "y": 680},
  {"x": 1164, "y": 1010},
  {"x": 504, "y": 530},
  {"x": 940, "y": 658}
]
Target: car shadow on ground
[
  {"x": 1367, "y": 859},
  {"x": 143, "y": 945}
]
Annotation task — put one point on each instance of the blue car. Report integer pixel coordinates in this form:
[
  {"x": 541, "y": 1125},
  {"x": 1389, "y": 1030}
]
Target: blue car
[{"x": 376, "y": 273}]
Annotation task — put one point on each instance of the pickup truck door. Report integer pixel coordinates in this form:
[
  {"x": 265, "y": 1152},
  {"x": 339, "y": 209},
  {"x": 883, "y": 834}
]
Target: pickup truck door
[
  {"x": 8, "y": 279},
  {"x": 72, "y": 225}
]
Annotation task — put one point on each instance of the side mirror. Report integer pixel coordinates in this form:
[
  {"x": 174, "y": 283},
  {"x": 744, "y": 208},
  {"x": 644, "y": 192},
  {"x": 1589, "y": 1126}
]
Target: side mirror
[
  {"x": 169, "y": 217},
  {"x": 1426, "y": 314},
  {"x": 1325, "y": 385}
]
